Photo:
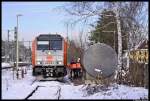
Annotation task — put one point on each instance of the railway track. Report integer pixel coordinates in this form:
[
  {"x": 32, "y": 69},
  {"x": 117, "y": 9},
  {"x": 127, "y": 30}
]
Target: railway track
[
  {"x": 46, "y": 89},
  {"x": 45, "y": 92},
  {"x": 33, "y": 82},
  {"x": 32, "y": 92}
]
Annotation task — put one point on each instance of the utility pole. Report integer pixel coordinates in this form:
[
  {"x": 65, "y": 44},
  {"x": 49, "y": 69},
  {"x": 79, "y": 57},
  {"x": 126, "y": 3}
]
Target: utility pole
[
  {"x": 5, "y": 51},
  {"x": 17, "y": 48},
  {"x": 8, "y": 47},
  {"x": 15, "y": 41},
  {"x": 23, "y": 53}
]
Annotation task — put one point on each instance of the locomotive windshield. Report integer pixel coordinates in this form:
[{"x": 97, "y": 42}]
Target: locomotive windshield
[
  {"x": 49, "y": 42},
  {"x": 49, "y": 45},
  {"x": 55, "y": 44},
  {"x": 43, "y": 45}
]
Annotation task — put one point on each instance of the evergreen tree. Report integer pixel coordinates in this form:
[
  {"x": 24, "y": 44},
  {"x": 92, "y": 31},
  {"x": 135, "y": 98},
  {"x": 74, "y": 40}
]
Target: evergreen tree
[{"x": 105, "y": 31}]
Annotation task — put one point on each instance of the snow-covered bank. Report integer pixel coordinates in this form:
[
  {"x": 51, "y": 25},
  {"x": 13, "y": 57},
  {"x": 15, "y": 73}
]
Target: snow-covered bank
[
  {"x": 16, "y": 89},
  {"x": 20, "y": 89},
  {"x": 121, "y": 92},
  {"x": 3, "y": 64}
]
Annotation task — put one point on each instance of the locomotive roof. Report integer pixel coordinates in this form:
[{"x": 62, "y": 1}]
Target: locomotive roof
[{"x": 44, "y": 37}]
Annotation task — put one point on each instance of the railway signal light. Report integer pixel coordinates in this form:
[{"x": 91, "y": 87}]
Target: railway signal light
[{"x": 15, "y": 34}]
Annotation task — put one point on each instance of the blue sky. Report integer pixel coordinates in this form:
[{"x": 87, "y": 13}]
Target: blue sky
[{"x": 38, "y": 17}]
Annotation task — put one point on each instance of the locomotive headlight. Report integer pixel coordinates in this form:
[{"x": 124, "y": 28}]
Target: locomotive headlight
[
  {"x": 60, "y": 62},
  {"x": 38, "y": 63}
]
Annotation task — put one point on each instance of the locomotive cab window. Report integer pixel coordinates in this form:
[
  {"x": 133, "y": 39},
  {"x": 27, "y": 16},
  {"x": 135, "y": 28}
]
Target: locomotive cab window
[
  {"x": 43, "y": 45},
  {"x": 55, "y": 44}
]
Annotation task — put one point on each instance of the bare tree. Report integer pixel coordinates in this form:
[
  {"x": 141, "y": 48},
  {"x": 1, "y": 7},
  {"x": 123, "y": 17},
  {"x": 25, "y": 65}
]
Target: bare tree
[
  {"x": 85, "y": 10},
  {"x": 130, "y": 14}
]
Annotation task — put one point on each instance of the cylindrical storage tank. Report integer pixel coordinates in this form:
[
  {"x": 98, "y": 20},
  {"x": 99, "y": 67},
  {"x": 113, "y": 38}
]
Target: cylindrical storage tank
[{"x": 100, "y": 59}]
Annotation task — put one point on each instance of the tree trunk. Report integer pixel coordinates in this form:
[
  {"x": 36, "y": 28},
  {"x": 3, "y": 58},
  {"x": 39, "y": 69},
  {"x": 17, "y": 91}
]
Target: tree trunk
[{"x": 119, "y": 41}]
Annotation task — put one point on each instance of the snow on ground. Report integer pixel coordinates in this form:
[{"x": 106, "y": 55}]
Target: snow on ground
[
  {"x": 16, "y": 89},
  {"x": 5, "y": 64},
  {"x": 47, "y": 91},
  {"x": 20, "y": 89},
  {"x": 121, "y": 92}
]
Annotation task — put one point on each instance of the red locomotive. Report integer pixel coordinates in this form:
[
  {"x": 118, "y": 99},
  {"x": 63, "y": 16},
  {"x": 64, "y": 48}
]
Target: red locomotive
[{"x": 49, "y": 56}]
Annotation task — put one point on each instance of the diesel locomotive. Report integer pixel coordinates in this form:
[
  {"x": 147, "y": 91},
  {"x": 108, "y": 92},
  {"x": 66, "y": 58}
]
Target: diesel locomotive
[{"x": 49, "y": 56}]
